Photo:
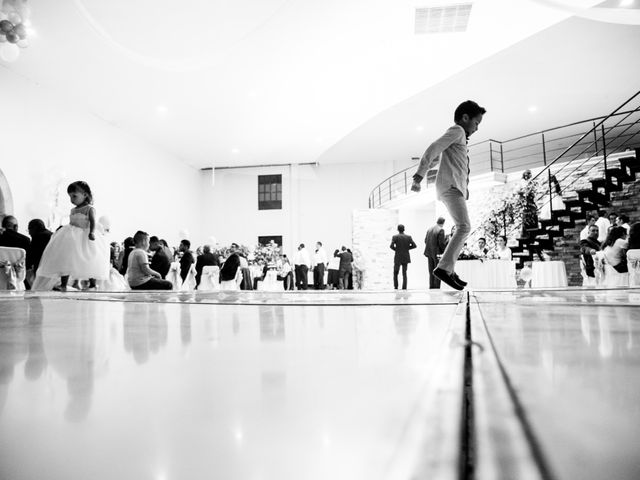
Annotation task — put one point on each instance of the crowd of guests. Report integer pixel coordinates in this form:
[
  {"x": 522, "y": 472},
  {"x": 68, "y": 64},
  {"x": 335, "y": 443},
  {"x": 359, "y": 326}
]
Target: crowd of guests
[{"x": 610, "y": 240}]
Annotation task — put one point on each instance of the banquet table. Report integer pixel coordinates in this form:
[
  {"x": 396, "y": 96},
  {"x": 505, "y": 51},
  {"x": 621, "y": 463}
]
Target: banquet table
[
  {"x": 482, "y": 274},
  {"x": 548, "y": 274}
]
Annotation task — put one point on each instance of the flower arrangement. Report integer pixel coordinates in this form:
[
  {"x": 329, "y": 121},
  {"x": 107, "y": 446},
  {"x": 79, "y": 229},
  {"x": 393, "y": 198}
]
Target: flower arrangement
[{"x": 266, "y": 254}]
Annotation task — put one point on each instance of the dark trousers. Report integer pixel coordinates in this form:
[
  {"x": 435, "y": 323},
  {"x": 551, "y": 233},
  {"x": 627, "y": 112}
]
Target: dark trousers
[
  {"x": 318, "y": 277},
  {"x": 154, "y": 284},
  {"x": 345, "y": 280},
  {"x": 434, "y": 282},
  {"x": 301, "y": 277},
  {"x": 396, "y": 270}
]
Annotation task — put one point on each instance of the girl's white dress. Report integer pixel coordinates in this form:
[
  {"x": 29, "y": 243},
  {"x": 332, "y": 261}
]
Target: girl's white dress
[{"x": 70, "y": 252}]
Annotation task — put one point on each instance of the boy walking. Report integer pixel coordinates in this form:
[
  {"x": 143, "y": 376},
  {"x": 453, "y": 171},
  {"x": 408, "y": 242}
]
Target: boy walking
[{"x": 452, "y": 182}]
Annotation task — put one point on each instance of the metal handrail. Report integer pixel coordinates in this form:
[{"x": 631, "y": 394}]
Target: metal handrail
[{"x": 487, "y": 157}]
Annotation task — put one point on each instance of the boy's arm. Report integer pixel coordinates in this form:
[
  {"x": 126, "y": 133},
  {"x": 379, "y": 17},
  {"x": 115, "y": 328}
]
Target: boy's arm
[{"x": 432, "y": 153}]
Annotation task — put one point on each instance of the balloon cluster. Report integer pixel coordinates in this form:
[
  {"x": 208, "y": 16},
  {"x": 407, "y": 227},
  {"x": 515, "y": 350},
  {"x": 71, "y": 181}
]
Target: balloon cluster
[{"x": 13, "y": 29}]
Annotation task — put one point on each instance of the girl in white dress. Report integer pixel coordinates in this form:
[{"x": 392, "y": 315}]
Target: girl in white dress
[{"x": 78, "y": 249}]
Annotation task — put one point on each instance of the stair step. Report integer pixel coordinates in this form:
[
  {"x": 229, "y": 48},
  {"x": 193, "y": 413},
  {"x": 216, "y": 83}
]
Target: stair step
[{"x": 596, "y": 199}]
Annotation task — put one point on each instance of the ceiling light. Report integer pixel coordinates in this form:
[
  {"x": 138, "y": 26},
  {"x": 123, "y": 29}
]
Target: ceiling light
[
  {"x": 162, "y": 110},
  {"x": 235, "y": 151},
  {"x": 419, "y": 128},
  {"x": 626, "y": 3},
  {"x": 532, "y": 109}
]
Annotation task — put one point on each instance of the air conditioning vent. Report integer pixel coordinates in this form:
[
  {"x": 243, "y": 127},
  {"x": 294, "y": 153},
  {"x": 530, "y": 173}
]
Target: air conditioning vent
[{"x": 452, "y": 18}]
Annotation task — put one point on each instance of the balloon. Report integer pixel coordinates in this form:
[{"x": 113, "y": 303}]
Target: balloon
[
  {"x": 183, "y": 234},
  {"x": 6, "y": 26},
  {"x": 24, "y": 43},
  {"x": 15, "y": 18},
  {"x": 12, "y": 37},
  {"x": 20, "y": 30},
  {"x": 9, "y": 52},
  {"x": 2, "y": 38}
]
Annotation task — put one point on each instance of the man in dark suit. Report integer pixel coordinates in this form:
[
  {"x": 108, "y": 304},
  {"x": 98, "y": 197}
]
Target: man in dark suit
[
  {"x": 40, "y": 237},
  {"x": 186, "y": 260},
  {"x": 401, "y": 244},
  {"x": 10, "y": 236},
  {"x": 206, "y": 259},
  {"x": 345, "y": 272},
  {"x": 160, "y": 262},
  {"x": 435, "y": 244}
]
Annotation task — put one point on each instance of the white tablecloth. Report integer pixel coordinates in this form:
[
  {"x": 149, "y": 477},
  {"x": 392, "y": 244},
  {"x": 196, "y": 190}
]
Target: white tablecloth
[
  {"x": 270, "y": 283},
  {"x": 481, "y": 274},
  {"x": 548, "y": 274}
]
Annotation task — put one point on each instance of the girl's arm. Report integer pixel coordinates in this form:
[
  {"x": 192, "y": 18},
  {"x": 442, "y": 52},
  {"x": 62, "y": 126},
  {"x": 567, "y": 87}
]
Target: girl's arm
[{"x": 92, "y": 223}]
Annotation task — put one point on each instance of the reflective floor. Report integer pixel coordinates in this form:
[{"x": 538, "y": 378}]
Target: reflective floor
[{"x": 354, "y": 385}]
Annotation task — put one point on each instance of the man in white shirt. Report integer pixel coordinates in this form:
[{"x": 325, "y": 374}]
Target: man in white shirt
[
  {"x": 320, "y": 261},
  {"x": 623, "y": 221},
  {"x": 301, "y": 263},
  {"x": 591, "y": 220},
  {"x": 603, "y": 225}
]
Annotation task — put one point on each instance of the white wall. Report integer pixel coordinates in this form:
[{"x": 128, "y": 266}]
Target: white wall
[
  {"x": 48, "y": 142},
  {"x": 317, "y": 203}
]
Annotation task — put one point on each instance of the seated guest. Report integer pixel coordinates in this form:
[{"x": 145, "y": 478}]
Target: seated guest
[
  {"x": 623, "y": 221},
  {"x": 285, "y": 273},
  {"x": 633, "y": 255},
  {"x": 10, "y": 236},
  {"x": 139, "y": 275},
  {"x": 588, "y": 248},
  {"x": 186, "y": 260},
  {"x": 262, "y": 276},
  {"x": 159, "y": 262},
  {"x": 229, "y": 273},
  {"x": 502, "y": 251},
  {"x": 614, "y": 249},
  {"x": 167, "y": 249},
  {"x": 40, "y": 237},
  {"x": 482, "y": 250},
  {"x": 206, "y": 259},
  {"x": 123, "y": 260},
  {"x": 584, "y": 233}
]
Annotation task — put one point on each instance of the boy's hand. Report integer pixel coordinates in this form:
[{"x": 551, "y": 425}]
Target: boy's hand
[
  {"x": 92, "y": 236},
  {"x": 415, "y": 186}
]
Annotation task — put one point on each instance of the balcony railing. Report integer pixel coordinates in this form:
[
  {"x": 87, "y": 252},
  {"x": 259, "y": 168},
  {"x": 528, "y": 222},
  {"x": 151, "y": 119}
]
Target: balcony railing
[{"x": 587, "y": 138}]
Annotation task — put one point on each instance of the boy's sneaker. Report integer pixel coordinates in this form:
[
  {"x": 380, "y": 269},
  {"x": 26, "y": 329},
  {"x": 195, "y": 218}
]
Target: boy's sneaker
[
  {"x": 458, "y": 279},
  {"x": 447, "y": 278}
]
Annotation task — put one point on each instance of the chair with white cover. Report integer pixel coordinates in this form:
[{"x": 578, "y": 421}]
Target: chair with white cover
[
  {"x": 633, "y": 261},
  {"x": 234, "y": 284},
  {"x": 611, "y": 277},
  {"x": 210, "y": 279},
  {"x": 189, "y": 283},
  {"x": 271, "y": 282},
  {"x": 588, "y": 281},
  {"x": 174, "y": 275},
  {"x": 12, "y": 268}
]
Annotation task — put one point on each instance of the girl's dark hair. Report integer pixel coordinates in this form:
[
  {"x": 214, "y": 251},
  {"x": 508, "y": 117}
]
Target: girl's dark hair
[
  {"x": 614, "y": 234},
  {"x": 82, "y": 187},
  {"x": 634, "y": 236},
  {"x": 503, "y": 238},
  {"x": 128, "y": 246}
]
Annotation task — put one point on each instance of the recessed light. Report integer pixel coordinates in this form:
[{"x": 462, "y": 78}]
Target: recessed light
[
  {"x": 235, "y": 151},
  {"x": 419, "y": 128},
  {"x": 532, "y": 109},
  {"x": 626, "y": 3},
  {"x": 162, "y": 110}
]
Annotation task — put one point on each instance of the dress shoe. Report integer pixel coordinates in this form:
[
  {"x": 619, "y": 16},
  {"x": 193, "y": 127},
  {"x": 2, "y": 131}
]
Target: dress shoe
[
  {"x": 458, "y": 279},
  {"x": 447, "y": 278}
]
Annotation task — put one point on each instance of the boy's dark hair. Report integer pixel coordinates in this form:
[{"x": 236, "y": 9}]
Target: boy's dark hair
[
  {"x": 623, "y": 218},
  {"x": 186, "y": 242},
  {"x": 483, "y": 239},
  {"x": 139, "y": 236},
  {"x": 153, "y": 239},
  {"x": 401, "y": 228},
  {"x": 469, "y": 107},
  {"x": 82, "y": 187}
]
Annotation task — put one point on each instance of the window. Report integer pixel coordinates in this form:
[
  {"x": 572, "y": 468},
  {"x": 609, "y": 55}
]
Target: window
[
  {"x": 264, "y": 240},
  {"x": 269, "y": 192}
]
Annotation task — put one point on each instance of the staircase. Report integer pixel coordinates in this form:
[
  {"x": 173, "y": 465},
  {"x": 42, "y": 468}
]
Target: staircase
[{"x": 586, "y": 183}]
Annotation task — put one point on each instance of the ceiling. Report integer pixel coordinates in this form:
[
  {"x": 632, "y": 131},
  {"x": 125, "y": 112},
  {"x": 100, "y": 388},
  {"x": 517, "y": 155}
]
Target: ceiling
[{"x": 255, "y": 82}]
